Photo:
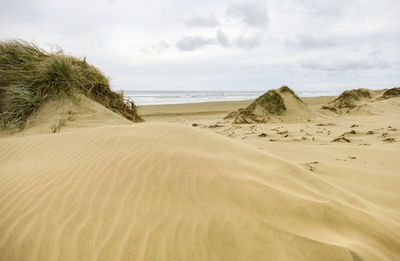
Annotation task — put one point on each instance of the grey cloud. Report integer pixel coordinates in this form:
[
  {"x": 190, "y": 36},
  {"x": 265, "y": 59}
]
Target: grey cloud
[
  {"x": 307, "y": 41},
  {"x": 223, "y": 39},
  {"x": 162, "y": 45},
  {"x": 159, "y": 47},
  {"x": 252, "y": 13},
  {"x": 345, "y": 65},
  {"x": 248, "y": 43},
  {"x": 376, "y": 52},
  {"x": 311, "y": 42},
  {"x": 366, "y": 36},
  {"x": 324, "y": 8},
  {"x": 203, "y": 21},
  {"x": 191, "y": 43}
]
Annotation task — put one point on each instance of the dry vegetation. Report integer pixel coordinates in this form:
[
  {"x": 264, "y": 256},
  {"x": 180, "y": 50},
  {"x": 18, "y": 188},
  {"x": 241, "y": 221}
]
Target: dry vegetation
[
  {"x": 30, "y": 75},
  {"x": 391, "y": 93},
  {"x": 352, "y": 100},
  {"x": 270, "y": 104},
  {"x": 347, "y": 100}
]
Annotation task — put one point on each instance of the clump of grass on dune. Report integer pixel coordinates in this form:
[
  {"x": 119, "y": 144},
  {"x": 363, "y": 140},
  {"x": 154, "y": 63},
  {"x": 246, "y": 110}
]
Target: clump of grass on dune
[{"x": 29, "y": 76}]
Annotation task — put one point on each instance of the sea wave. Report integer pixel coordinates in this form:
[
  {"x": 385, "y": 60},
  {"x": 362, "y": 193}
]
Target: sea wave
[{"x": 181, "y": 97}]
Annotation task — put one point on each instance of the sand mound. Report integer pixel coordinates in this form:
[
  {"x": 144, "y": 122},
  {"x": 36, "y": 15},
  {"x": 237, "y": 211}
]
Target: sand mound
[
  {"x": 158, "y": 191},
  {"x": 281, "y": 104},
  {"x": 59, "y": 115},
  {"x": 391, "y": 93},
  {"x": 348, "y": 100},
  {"x": 29, "y": 76},
  {"x": 361, "y": 101}
]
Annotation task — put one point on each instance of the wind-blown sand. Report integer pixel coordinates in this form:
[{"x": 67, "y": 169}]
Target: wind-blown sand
[{"x": 106, "y": 189}]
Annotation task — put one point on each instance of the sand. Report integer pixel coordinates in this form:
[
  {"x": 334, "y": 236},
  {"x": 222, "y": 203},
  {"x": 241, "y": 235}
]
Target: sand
[{"x": 102, "y": 188}]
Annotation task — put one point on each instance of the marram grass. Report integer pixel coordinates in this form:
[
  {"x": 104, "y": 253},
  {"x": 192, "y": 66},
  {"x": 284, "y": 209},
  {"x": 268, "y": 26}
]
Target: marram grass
[{"x": 29, "y": 75}]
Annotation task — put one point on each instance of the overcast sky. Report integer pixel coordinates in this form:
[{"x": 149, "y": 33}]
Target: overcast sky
[{"x": 327, "y": 45}]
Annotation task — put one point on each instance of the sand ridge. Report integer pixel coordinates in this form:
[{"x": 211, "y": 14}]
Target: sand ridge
[
  {"x": 158, "y": 191},
  {"x": 105, "y": 189}
]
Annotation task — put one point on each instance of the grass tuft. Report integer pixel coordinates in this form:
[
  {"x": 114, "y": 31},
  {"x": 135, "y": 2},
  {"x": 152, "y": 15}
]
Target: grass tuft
[
  {"x": 29, "y": 75},
  {"x": 391, "y": 93},
  {"x": 271, "y": 101},
  {"x": 56, "y": 126},
  {"x": 347, "y": 100},
  {"x": 286, "y": 89}
]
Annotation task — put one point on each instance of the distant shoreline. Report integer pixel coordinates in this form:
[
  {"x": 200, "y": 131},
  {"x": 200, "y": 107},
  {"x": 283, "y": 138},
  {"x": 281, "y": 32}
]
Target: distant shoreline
[
  {"x": 229, "y": 103},
  {"x": 222, "y": 107},
  {"x": 143, "y": 98}
]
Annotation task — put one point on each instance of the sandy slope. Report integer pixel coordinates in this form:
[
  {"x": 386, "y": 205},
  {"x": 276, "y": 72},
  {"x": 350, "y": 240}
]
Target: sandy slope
[{"x": 166, "y": 191}]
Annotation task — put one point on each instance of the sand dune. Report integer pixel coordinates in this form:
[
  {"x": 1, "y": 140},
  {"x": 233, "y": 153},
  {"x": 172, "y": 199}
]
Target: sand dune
[
  {"x": 83, "y": 183},
  {"x": 103, "y": 188},
  {"x": 159, "y": 191},
  {"x": 358, "y": 101},
  {"x": 83, "y": 112},
  {"x": 281, "y": 105}
]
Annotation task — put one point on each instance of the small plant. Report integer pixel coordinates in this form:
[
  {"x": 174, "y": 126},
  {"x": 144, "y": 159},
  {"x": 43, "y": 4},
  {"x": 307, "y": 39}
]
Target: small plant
[{"x": 56, "y": 126}]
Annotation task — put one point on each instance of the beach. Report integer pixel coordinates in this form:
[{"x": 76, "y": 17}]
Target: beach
[
  {"x": 187, "y": 184},
  {"x": 200, "y": 130}
]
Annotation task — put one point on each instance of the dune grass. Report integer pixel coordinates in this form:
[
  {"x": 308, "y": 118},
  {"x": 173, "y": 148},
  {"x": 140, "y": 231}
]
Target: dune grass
[
  {"x": 30, "y": 75},
  {"x": 285, "y": 88},
  {"x": 271, "y": 102},
  {"x": 347, "y": 100},
  {"x": 391, "y": 93}
]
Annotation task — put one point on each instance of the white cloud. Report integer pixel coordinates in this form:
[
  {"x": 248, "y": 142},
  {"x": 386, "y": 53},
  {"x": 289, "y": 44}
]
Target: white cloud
[
  {"x": 208, "y": 44},
  {"x": 248, "y": 42},
  {"x": 325, "y": 8},
  {"x": 345, "y": 65},
  {"x": 223, "y": 39},
  {"x": 202, "y": 21},
  {"x": 312, "y": 42},
  {"x": 191, "y": 43},
  {"x": 252, "y": 13}
]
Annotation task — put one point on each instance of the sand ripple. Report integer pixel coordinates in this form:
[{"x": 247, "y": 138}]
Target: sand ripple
[{"x": 158, "y": 191}]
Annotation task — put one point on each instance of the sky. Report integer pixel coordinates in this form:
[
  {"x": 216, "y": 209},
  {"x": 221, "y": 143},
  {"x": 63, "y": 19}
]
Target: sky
[{"x": 309, "y": 45}]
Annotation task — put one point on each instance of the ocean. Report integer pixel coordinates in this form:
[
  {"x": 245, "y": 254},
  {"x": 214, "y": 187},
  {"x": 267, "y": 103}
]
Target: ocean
[{"x": 179, "y": 97}]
